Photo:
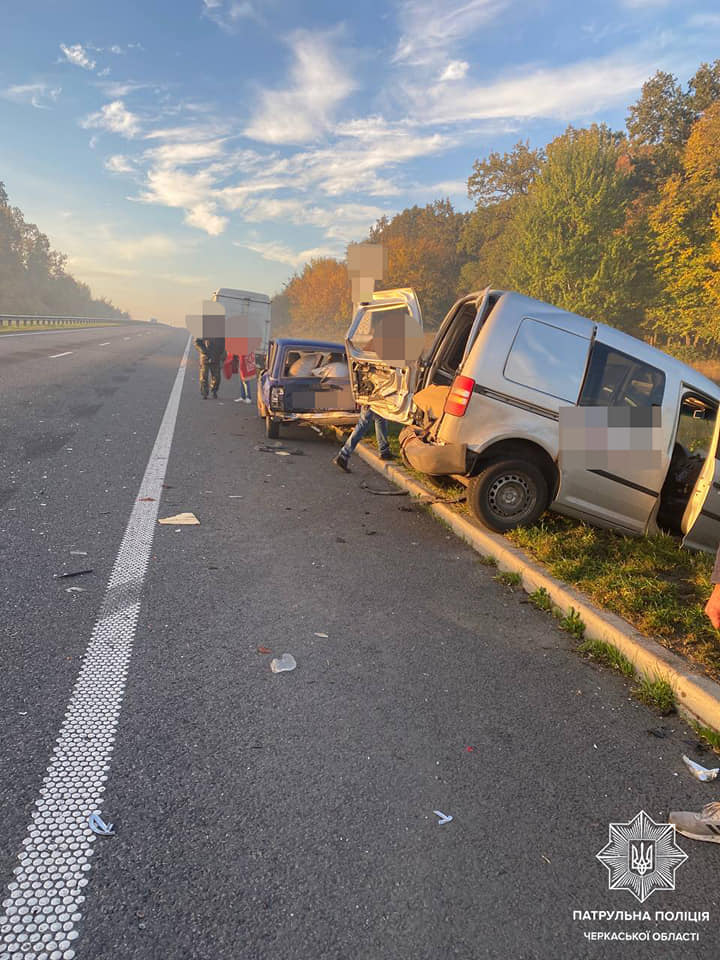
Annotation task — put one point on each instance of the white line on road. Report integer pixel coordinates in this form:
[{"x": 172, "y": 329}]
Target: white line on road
[
  {"x": 54, "y": 356},
  {"x": 46, "y": 333},
  {"x": 44, "y": 899},
  {"x": 106, "y": 344}
]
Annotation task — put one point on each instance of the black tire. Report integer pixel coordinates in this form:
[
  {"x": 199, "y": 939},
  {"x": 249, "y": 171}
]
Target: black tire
[
  {"x": 272, "y": 428},
  {"x": 509, "y": 493}
]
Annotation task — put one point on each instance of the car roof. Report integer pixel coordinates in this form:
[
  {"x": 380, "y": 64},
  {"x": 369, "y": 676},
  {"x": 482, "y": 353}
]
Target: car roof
[{"x": 321, "y": 344}]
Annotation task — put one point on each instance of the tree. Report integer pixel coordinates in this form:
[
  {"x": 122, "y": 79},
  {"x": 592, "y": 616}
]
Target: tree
[
  {"x": 319, "y": 298},
  {"x": 499, "y": 185},
  {"x": 573, "y": 247},
  {"x": 422, "y": 246}
]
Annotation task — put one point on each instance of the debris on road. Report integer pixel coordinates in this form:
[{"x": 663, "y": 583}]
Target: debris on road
[
  {"x": 323, "y": 635},
  {"x": 184, "y": 519},
  {"x": 78, "y": 553},
  {"x": 444, "y": 817},
  {"x": 278, "y": 448},
  {"x": 146, "y": 500},
  {"x": 383, "y": 493},
  {"x": 98, "y": 826},
  {"x": 74, "y": 589},
  {"x": 72, "y": 573},
  {"x": 699, "y": 772},
  {"x": 283, "y": 663},
  {"x": 263, "y": 650}
]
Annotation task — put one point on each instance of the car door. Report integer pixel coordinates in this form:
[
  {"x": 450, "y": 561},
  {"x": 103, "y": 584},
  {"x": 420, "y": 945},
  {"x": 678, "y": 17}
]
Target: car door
[
  {"x": 701, "y": 520},
  {"x": 384, "y": 344}
]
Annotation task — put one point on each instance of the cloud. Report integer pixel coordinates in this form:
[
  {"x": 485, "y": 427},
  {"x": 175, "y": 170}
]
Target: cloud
[
  {"x": 38, "y": 95},
  {"x": 205, "y": 217},
  {"x": 429, "y": 30},
  {"x": 119, "y": 164},
  {"x": 77, "y": 55},
  {"x": 455, "y": 70},
  {"x": 228, "y": 14},
  {"x": 304, "y": 110},
  {"x": 565, "y": 92},
  {"x": 279, "y": 253},
  {"x": 644, "y": 4},
  {"x": 115, "y": 118},
  {"x": 706, "y": 21}
]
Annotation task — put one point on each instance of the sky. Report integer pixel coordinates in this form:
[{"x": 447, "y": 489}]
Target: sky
[{"x": 171, "y": 147}]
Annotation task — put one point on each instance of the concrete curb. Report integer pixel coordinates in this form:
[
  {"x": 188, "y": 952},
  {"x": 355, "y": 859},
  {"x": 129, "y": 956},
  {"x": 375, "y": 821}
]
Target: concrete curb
[{"x": 696, "y": 695}]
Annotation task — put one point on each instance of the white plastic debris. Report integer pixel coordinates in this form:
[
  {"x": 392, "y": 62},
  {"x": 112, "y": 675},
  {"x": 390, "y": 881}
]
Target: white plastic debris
[
  {"x": 183, "y": 519},
  {"x": 78, "y": 553},
  {"x": 74, "y": 590},
  {"x": 283, "y": 663},
  {"x": 98, "y": 825},
  {"x": 444, "y": 817},
  {"x": 699, "y": 772},
  {"x": 323, "y": 635}
]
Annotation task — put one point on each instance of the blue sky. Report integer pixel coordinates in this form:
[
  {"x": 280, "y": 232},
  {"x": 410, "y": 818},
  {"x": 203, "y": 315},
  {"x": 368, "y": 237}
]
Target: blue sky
[{"x": 170, "y": 148}]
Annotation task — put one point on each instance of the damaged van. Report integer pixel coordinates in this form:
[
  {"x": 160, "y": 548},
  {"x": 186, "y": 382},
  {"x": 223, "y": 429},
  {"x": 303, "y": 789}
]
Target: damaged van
[{"x": 533, "y": 407}]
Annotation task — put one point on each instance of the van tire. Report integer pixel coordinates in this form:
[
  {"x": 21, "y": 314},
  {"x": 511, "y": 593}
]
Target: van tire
[
  {"x": 509, "y": 493},
  {"x": 272, "y": 428}
]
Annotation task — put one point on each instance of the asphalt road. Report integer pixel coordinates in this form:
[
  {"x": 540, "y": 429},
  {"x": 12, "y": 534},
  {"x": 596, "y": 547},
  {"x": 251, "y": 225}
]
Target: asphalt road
[{"x": 291, "y": 816}]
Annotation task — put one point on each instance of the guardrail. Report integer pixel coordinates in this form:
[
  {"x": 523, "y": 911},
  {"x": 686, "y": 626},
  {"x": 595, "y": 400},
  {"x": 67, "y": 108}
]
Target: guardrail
[{"x": 18, "y": 320}]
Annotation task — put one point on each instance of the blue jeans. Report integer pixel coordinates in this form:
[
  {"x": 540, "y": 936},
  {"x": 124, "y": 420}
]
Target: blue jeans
[
  {"x": 363, "y": 425},
  {"x": 244, "y": 388}
]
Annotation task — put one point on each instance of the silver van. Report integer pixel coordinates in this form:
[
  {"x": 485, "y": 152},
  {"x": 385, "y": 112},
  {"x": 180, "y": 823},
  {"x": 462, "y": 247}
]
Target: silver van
[{"x": 534, "y": 407}]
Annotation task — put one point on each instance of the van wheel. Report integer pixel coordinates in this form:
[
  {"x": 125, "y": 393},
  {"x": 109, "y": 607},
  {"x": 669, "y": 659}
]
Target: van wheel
[
  {"x": 272, "y": 428},
  {"x": 509, "y": 494}
]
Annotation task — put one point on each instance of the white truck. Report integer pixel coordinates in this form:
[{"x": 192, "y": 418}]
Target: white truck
[{"x": 253, "y": 308}]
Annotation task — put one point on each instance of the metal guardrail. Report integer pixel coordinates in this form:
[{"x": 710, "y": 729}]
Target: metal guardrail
[{"x": 19, "y": 320}]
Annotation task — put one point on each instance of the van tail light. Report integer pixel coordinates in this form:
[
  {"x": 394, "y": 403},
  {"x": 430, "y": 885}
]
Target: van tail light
[{"x": 459, "y": 396}]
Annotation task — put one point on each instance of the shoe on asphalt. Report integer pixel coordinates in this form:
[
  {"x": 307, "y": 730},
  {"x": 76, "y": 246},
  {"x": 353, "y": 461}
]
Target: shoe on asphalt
[
  {"x": 342, "y": 463},
  {"x": 248, "y": 400},
  {"x": 387, "y": 455},
  {"x": 699, "y": 826},
  {"x": 214, "y": 394},
  {"x": 204, "y": 396}
]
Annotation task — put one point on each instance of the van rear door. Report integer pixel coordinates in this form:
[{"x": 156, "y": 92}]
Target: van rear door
[
  {"x": 701, "y": 520},
  {"x": 384, "y": 344}
]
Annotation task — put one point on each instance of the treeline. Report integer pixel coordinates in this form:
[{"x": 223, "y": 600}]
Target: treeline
[
  {"x": 33, "y": 279},
  {"x": 620, "y": 226}
]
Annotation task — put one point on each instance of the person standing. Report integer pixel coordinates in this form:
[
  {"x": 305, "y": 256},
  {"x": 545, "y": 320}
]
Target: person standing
[
  {"x": 361, "y": 428},
  {"x": 212, "y": 354},
  {"x": 246, "y": 370}
]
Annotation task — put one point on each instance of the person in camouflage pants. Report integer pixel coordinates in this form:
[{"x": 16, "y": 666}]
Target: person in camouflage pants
[{"x": 212, "y": 354}]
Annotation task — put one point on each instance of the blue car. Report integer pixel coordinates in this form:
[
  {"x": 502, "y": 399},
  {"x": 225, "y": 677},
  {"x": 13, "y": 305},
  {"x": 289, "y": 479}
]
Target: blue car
[{"x": 305, "y": 381}]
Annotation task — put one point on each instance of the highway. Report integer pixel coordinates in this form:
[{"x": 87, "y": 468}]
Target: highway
[{"x": 288, "y": 816}]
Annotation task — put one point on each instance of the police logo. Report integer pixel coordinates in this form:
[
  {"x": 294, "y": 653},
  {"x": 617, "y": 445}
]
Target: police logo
[{"x": 641, "y": 856}]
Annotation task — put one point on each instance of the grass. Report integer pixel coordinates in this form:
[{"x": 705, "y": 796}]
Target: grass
[
  {"x": 541, "y": 599},
  {"x": 649, "y": 581},
  {"x": 654, "y": 691},
  {"x": 608, "y": 656},
  {"x": 508, "y": 578},
  {"x": 712, "y": 737},
  {"x": 572, "y": 622}
]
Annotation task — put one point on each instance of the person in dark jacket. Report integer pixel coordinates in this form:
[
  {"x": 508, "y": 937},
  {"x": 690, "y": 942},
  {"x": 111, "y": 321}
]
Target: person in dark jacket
[{"x": 212, "y": 354}]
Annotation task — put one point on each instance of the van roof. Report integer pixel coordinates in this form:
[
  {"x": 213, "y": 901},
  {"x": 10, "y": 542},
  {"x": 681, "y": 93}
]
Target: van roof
[{"x": 232, "y": 294}]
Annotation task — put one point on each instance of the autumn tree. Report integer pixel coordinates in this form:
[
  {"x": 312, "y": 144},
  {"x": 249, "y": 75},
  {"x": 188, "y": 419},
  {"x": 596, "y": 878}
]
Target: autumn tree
[
  {"x": 422, "y": 247},
  {"x": 572, "y": 247},
  {"x": 319, "y": 299},
  {"x": 499, "y": 185}
]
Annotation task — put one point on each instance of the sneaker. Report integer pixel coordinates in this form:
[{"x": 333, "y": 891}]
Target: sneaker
[
  {"x": 387, "y": 455},
  {"x": 341, "y": 462},
  {"x": 699, "y": 826},
  {"x": 214, "y": 394},
  {"x": 248, "y": 400}
]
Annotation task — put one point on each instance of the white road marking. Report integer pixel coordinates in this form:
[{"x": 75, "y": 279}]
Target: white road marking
[
  {"x": 106, "y": 344},
  {"x": 42, "y": 333},
  {"x": 54, "y": 356},
  {"x": 126, "y": 338},
  {"x": 42, "y": 908}
]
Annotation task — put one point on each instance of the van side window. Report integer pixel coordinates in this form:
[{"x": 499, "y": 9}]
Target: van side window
[
  {"x": 618, "y": 380},
  {"x": 547, "y": 359}
]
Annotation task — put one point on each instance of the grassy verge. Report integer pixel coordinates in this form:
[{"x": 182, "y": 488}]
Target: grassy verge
[
  {"x": 649, "y": 581},
  {"x": 655, "y": 691}
]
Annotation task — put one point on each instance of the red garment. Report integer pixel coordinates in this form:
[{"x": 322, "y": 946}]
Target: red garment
[
  {"x": 247, "y": 366},
  {"x": 228, "y": 368}
]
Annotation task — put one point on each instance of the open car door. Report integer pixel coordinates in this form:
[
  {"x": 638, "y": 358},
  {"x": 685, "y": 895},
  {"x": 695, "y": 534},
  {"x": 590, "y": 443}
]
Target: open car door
[
  {"x": 384, "y": 344},
  {"x": 701, "y": 520}
]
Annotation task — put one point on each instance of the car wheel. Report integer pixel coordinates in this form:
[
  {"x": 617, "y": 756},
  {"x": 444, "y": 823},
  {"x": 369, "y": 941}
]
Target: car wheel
[
  {"x": 509, "y": 494},
  {"x": 272, "y": 428}
]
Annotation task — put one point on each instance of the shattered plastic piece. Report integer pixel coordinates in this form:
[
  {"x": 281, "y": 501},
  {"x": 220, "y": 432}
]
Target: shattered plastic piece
[
  {"x": 98, "y": 826},
  {"x": 699, "y": 772},
  {"x": 146, "y": 500},
  {"x": 282, "y": 453},
  {"x": 185, "y": 519},
  {"x": 285, "y": 662},
  {"x": 74, "y": 589},
  {"x": 72, "y": 573},
  {"x": 78, "y": 553},
  {"x": 444, "y": 817},
  {"x": 235, "y": 496},
  {"x": 263, "y": 650},
  {"x": 323, "y": 635}
]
